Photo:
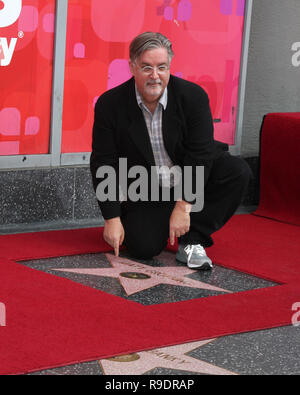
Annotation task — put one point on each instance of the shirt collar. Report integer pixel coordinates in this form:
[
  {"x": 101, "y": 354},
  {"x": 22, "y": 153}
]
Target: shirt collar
[{"x": 163, "y": 100}]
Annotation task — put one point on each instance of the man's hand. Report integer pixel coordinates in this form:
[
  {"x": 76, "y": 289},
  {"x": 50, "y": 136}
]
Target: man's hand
[
  {"x": 179, "y": 220},
  {"x": 114, "y": 233}
]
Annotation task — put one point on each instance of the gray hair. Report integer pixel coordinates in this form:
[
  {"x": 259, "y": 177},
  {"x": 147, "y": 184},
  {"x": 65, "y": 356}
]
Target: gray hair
[{"x": 149, "y": 40}]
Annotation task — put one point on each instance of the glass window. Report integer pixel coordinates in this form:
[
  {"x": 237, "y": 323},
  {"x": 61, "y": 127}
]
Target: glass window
[
  {"x": 26, "y": 56},
  {"x": 207, "y": 41}
]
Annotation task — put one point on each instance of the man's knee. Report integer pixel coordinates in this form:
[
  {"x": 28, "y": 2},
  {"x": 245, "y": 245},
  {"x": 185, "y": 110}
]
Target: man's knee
[
  {"x": 245, "y": 172},
  {"x": 238, "y": 169},
  {"x": 145, "y": 249}
]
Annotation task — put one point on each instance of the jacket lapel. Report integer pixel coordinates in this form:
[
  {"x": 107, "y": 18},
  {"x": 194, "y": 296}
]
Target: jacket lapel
[{"x": 172, "y": 124}]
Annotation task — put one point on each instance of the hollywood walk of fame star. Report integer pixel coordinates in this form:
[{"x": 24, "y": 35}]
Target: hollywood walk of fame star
[
  {"x": 173, "y": 357},
  {"x": 136, "y": 277}
]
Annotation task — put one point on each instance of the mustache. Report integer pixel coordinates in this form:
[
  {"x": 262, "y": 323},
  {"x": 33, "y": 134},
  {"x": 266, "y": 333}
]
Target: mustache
[{"x": 154, "y": 82}]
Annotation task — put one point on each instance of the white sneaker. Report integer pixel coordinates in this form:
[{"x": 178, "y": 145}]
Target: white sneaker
[{"x": 194, "y": 256}]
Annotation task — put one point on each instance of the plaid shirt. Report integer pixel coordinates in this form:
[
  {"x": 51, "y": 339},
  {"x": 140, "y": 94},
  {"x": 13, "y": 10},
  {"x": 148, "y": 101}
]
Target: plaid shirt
[{"x": 154, "y": 126}]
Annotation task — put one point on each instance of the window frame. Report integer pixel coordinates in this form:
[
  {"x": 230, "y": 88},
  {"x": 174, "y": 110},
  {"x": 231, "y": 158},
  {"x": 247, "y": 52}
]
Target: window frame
[{"x": 55, "y": 158}]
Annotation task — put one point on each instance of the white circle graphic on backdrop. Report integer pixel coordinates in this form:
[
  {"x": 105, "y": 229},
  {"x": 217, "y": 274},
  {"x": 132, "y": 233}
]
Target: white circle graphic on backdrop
[{"x": 10, "y": 12}]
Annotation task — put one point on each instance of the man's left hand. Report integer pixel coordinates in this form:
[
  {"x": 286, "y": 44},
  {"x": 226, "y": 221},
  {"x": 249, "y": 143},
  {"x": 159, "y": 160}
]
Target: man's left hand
[{"x": 179, "y": 220}]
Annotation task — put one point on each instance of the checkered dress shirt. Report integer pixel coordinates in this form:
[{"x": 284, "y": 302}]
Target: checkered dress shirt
[{"x": 154, "y": 126}]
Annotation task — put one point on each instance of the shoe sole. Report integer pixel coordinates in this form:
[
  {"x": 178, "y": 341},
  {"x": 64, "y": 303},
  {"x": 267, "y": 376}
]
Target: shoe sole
[{"x": 204, "y": 266}]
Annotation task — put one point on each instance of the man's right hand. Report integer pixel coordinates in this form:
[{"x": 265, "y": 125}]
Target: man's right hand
[{"x": 114, "y": 233}]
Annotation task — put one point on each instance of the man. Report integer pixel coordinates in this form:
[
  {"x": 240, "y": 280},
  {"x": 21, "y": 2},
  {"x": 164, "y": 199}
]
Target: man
[{"x": 158, "y": 119}]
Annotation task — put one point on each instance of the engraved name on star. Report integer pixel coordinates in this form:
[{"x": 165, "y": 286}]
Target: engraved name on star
[
  {"x": 135, "y": 276},
  {"x": 173, "y": 357}
]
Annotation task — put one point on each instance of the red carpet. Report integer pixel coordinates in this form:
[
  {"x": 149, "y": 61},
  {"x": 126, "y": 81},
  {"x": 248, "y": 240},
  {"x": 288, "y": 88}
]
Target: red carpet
[
  {"x": 280, "y": 168},
  {"x": 53, "y": 321},
  {"x": 49, "y": 244}
]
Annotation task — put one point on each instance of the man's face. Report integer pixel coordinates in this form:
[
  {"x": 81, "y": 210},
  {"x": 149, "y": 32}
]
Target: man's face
[{"x": 151, "y": 83}]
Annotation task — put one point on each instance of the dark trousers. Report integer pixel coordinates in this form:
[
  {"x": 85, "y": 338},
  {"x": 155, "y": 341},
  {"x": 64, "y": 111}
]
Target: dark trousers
[{"x": 146, "y": 224}]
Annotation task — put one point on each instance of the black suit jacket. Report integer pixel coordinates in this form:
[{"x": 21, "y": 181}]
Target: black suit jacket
[{"x": 120, "y": 131}]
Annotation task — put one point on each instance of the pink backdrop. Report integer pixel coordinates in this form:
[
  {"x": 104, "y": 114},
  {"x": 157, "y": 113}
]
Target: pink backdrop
[
  {"x": 26, "y": 78},
  {"x": 206, "y": 37}
]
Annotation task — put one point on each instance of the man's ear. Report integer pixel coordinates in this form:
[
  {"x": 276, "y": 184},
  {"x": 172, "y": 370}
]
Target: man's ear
[{"x": 131, "y": 67}]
